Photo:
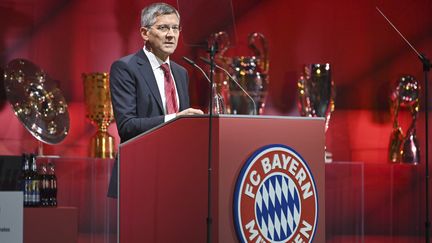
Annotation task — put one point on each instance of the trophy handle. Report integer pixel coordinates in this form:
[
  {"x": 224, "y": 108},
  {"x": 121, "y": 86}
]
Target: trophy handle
[
  {"x": 222, "y": 39},
  {"x": 395, "y": 111},
  {"x": 410, "y": 146},
  {"x": 262, "y": 52},
  {"x": 396, "y": 138},
  {"x": 414, "y": 113}
]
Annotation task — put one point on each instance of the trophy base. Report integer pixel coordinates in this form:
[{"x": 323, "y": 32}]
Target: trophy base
[{"x": 102, "y": 146}]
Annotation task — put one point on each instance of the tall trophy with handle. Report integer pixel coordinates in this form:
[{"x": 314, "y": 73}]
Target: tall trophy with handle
[
  {"x": 405, "y": 148},
  {"x": 245, "y": 89},
  {"x": 251, "y": 73},
  {"x": 316, "y": 94}
]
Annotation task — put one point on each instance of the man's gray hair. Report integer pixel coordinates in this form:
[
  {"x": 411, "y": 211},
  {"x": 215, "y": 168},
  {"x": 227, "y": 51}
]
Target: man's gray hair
[{"x": 149, "y": 13}]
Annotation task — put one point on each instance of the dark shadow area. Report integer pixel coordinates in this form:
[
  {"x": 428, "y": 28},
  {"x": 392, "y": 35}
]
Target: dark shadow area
[
  {"x": 203, "y": 18},
  {"x": 10, "y": 173},
  {"x": 19, "y": 19},
  {"x": 3, "y": 97}
]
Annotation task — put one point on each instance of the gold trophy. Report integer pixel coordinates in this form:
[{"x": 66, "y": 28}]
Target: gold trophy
[
  {"x": 99, "y": 111},
  {"x": 404, "y": 149},
  {"x": 316, "y": 94}
]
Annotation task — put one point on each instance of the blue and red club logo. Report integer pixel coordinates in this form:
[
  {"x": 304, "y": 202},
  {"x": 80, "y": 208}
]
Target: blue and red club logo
[{"x": 275, "y": 198}]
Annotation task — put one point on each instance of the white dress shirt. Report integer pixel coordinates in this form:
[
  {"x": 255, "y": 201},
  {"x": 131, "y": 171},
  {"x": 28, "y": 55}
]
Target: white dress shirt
[{"x": 156, "y": 63}]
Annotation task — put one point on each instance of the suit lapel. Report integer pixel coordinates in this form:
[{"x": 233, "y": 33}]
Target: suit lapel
[
  {"x": 180, "y": 86},
  {"x": 146, "y": 71}
]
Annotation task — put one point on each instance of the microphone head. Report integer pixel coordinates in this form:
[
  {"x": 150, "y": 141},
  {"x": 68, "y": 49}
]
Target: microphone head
[{"x": 189, "y": 61}]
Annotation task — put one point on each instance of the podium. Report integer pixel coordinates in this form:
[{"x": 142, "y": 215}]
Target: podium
[{"x": 163, "y": 174}]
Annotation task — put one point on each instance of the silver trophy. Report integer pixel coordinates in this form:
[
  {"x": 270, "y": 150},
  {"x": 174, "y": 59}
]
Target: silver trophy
[
  {"x": 37, "y": 102},
  {"x": 316, "y": 94},
  {"x": 405, "y": 148},
  {"x": 251, "y": 72},
  {"x": 245, "y": 89}
]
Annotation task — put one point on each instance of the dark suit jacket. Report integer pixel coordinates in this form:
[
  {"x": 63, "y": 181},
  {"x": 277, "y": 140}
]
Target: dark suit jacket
[
  {"x": 135, "y": 96},
  {"x": 136, "y": 99}
]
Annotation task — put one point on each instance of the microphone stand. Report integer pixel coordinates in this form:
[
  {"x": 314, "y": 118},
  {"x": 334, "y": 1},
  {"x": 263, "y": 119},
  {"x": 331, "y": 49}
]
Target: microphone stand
[
  {"x": 426, "y": 67},
  {"x": 209, "y": 196},
  {"x": 213, "y": 48}
]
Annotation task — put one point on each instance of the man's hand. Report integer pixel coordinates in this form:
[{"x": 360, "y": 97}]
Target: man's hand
[{"x": 190, "y": 111}]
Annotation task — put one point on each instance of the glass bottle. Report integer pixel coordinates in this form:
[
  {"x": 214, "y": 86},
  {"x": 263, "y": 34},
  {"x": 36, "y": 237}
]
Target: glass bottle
[
  {"x": 34, "y": 186},
  {"x": 52, "y": 180},
  {"x": 26, "y": 180},
  {"x": 44, "y": 186}
]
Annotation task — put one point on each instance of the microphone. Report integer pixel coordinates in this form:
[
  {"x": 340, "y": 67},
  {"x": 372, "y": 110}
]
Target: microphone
[
  {"x": 234, "y": 80},
  {"x": 195, "y": 65},
  {"x": 219, "y": 104}
]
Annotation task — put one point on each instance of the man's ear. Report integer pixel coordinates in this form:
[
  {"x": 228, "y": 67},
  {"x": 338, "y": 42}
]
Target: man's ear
[{"x": 144, "y": 33}]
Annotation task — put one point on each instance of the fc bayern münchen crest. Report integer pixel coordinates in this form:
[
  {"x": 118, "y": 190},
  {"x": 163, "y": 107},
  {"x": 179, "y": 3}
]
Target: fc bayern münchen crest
[{"x": 275, "y": 198}]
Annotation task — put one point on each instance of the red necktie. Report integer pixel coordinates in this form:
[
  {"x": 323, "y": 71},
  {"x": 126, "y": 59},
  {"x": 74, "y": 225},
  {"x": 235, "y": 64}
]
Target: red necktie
[{"x": 170, "y": 93}]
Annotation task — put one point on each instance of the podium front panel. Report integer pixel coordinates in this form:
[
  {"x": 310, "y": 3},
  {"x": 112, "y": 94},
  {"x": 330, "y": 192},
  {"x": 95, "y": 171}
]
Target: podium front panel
[
  {"x": 163, "y": 174},
  {"x": 163, "y": 184},
  {"x": 240, "y": 137}
]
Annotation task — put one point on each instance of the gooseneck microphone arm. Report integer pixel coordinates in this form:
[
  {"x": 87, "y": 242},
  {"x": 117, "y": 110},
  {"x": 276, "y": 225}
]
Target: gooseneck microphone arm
[
  {"x": 198, "y": 67},
  {"x": 235, "y": 81},
  {"x": 426, "y": 67}
]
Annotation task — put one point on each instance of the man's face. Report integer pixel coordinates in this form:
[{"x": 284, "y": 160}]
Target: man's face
[{"x": 160, "y": 40}]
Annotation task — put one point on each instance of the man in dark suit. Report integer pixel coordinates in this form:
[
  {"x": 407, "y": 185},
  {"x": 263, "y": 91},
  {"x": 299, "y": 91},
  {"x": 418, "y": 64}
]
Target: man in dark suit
[
  {"x": 147, "y": 89},
  {"x": 137, "y": 81}
]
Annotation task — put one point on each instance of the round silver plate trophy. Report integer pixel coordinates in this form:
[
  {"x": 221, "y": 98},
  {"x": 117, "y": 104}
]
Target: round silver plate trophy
[{"x": 37, "y": 102}]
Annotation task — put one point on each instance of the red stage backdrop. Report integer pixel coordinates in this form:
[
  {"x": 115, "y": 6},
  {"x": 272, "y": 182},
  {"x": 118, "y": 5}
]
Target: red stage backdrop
[{"x": 67, "y": 38}]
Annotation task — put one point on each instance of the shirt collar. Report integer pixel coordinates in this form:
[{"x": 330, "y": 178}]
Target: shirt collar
[{"x": 155, "y": 61}]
